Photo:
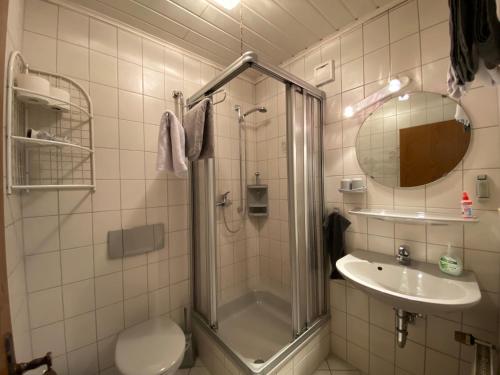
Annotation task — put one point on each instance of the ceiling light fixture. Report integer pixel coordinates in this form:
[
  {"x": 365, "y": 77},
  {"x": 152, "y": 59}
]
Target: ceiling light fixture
[
  {"x": 392, "y": 87},
  {"x": 228, "y": 4}
]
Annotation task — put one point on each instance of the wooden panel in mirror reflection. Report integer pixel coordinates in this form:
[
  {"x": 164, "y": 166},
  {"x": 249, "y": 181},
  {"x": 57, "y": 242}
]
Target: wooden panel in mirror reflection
[{"x": 429, "y": 152}]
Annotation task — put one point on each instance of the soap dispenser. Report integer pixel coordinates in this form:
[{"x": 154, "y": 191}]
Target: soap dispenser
[{"x": 450, "y": 263}]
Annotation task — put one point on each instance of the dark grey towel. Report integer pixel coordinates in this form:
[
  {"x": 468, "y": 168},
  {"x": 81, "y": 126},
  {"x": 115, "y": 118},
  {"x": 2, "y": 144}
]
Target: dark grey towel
[
  {"x": 474, "y": 34},
  {"x": 334, "y": 227},
  {"x": 487, "y": 33},
  {"x": 199, "y": 128}
]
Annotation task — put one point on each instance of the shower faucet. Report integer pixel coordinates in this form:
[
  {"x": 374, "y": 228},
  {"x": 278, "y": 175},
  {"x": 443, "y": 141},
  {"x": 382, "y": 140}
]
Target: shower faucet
[{"x": 225, "y": 201}]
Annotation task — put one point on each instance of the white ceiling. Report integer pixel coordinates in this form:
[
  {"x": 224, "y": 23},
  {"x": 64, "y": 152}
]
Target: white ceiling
[{"x": 275, "y": 29}]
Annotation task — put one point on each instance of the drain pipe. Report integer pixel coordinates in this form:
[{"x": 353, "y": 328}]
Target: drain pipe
[{"x": 403, "y": 318}]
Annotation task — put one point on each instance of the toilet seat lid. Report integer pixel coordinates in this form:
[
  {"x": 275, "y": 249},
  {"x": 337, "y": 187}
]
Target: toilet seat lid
[{"x": 150, "y": 348}]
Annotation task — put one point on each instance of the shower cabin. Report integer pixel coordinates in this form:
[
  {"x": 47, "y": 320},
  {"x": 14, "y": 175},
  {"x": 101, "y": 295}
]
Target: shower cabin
[{"x": 259, "y": 287}]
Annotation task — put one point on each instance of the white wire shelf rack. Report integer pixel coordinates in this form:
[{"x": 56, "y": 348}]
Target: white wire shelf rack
[{"x": 38, "y": 164}]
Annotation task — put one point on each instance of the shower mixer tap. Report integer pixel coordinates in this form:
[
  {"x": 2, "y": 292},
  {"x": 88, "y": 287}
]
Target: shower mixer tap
[{"x": 225, "y": 201}]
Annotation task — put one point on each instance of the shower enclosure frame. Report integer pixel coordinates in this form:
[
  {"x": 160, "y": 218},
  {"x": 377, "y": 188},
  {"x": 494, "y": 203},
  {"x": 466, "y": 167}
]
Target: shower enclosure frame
[{"x": 303, "y": 327}]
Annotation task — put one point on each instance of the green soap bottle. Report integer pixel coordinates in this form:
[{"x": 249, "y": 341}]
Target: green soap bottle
[{"x": 450, "y": 263}]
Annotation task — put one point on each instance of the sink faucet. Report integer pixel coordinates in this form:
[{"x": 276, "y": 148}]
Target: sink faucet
[{"x": 403, "y": 256}]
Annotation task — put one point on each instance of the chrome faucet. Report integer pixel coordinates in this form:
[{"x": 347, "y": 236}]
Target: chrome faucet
[
  {"x": 225, "y": 200},
  {"x": 403, "y": 256}
]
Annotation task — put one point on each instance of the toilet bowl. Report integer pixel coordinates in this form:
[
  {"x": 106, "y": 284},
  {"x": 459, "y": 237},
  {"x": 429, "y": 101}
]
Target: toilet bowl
[{"x": 155, "y": 347}]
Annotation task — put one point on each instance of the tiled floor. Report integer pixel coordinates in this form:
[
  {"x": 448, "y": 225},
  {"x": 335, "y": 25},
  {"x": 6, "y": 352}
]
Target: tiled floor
[
  {"x": 336, "y": 366},
  {"x": 331, "y": 366},
  {"x": 198, "y": 369}
]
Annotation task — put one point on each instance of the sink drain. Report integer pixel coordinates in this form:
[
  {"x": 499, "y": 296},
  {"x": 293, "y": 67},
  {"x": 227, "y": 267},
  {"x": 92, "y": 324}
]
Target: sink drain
[{"x": 258, "y": 361}]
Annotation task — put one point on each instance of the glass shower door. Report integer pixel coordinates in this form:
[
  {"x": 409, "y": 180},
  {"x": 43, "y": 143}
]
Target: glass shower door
[{"x": 304, "y": 136}]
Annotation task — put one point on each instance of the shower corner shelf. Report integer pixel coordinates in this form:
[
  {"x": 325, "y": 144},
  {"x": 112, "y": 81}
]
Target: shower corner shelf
[
  {"x": 415, "y": 217},
  {"x": 354, "y": 191},
  {"x": 41, "y": 164},
  {"x": 258, "y": 200}
]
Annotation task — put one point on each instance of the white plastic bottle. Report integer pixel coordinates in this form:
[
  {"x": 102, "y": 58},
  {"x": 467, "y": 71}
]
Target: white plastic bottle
[
  {"x": 450, "y": 263},
  {"x": 466, "y": 204}
]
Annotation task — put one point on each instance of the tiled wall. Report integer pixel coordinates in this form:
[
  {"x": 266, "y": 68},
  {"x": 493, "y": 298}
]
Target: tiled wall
[
  {"x": 79, "y": 299},
  {"x": 411, "y": 39},
  {"x": 13, "y": 220}
]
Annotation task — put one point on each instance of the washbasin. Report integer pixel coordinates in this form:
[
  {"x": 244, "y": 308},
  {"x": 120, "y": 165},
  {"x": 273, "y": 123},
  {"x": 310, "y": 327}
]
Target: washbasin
[{"x": 418, "y": 288}]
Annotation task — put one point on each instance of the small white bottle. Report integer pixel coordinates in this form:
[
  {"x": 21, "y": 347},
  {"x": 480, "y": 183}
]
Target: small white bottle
[{"x": 450, "y": 263}]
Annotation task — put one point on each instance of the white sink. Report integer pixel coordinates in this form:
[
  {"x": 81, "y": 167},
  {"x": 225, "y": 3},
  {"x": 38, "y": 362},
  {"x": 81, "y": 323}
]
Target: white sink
[{"x": 417, "y": 288}]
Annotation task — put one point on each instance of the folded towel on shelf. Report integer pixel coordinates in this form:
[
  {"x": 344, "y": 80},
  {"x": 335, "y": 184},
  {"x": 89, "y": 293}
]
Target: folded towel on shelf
[
  {"x": 199, "y": 127},
  {"x": 171, "y": 146},
  {"x": 334, "y": 227}
]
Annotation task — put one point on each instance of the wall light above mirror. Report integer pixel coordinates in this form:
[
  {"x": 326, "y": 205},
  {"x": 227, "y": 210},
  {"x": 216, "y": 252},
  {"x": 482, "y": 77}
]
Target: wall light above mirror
[{"x": 413, "y": 139}]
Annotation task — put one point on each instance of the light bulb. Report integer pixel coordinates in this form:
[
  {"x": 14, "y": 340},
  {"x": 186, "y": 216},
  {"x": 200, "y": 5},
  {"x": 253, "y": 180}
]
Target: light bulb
[
  {"x": 394, "y": 85},
  {"x": 404, "y": 97},
  {"x": 228, "y": 4},
  {"x": 348, "y": 111}
]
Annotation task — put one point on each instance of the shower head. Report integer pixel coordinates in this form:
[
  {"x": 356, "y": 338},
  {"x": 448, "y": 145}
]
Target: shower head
[{"x": 256, "y": 109}]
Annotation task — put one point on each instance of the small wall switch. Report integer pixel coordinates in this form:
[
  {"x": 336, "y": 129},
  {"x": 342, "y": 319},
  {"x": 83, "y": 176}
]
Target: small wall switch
[{"x": 324, "y": 73}]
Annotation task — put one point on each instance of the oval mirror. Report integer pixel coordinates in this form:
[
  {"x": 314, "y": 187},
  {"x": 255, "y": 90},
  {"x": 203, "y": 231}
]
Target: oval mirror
[{"x": 412, "y": 140}]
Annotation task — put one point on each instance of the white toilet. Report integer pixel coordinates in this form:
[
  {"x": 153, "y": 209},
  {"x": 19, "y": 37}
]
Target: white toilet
[{"x": 155, "y": 347}]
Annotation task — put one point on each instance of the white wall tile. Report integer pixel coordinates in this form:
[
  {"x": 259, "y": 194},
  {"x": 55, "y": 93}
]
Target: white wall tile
[
  {"x": 405, "y": 54},
  {"x": 403, "y": 21},
  {"x": 80, "y": 331},
  {"x": 377, "y": 65},
  {"x": 174, "y": 65},
  {"x": 131, "y": 135},
  {"x": 45, "y": 307},
  {"x": 40, "y": 51},
  {"x": 136, "y": 310},
  {"x": 352, "y": 74},
  {"x": 107, "y": 197},
  {"x": 41, "y": 17},
  {"x": 432, "y": 12},
  {"x": 108, "y": 289},
  {"x": 78, "y": 298},
  {"x": 351, "y": 45},
  {"x": 135, "y": 282},
  {"x": 129, "y": 47},
  {"x": 76, "y": 230},
  {"x": 376, "y": 33},
  {"x": 73, "y": 27},
  {"x": 481, "y": 105},
  {"x": 103, "y": 37},
  {"x": 83, "y": 361},
  {"x": 130, "y": 106},
  {"x": 154, "y": 83},
  {"x": 435, "y": 42},
  {"x": 77, "y": 264},
  {"x": 105, "y": 100},
  {"x": 104, "y": 222},
  {"x": 484, "y": 149},
  {"x": 43, "y": 271},
  {"x": 38, "y": 203},
  {"x": 103, "y": 70},
  {"x": 74, "y": 202},
  {"x": 109, "y": 320},
  {"x": 48, "y": 338},
  {"x": 72, "y": 60},
  {"x": 129, "y": 76}
]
